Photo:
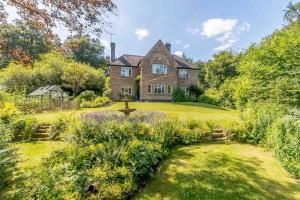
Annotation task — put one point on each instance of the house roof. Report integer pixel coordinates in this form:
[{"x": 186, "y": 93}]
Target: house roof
[
  {"x": 134, "y": 60},
  {"x": 44, "y": 89},
  {"x": 127, "y": 60}
]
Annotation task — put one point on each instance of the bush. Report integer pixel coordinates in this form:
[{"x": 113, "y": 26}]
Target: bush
[
  {"x": 87, "y": 95},
  {"x": 7, "y": 155},
  {"x": 7, "y": 112},
  {"x": 96, "y": 103},
  {"x": 283, "y": 137},
  {"x": 111, "y": 156},
  {"x": 24, "y": 128},
  {"x": 211, "y": 96},
  {"x": 196, "y": 91}
]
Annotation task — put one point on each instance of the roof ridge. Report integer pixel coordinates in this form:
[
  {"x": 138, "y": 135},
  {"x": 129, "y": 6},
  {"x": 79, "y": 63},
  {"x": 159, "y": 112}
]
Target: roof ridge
[{"x": 131, "y": 55}]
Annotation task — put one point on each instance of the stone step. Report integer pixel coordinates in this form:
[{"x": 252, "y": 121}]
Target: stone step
[
  {"x": 41, "y": 135},
  {"x": 40, "y": 139},
  {"x": 218, "y": 135}
]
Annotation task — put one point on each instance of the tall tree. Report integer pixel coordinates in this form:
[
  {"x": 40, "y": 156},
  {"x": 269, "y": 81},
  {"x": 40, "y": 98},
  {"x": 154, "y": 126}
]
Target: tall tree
[
  {"x": 78, "y": 16},
  {"x": 292, "y": 13},
  {"x": 86, "y": 50},
  {"x": 222, "y": 66},
  {"x": 22, "y": 43}
]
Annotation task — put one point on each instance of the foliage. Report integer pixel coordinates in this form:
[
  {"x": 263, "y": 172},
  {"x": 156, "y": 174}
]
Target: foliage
[
  {"x": 109, "y": 159},
  {"x": 7, "y": 155},
  {"x": 23, "y": 128},
  {"x": 292, "y": 14},
  {"x": 53, "y": 68},
  {"x": 211, "y": 96},
  {"x": 107, "y": 90},
  {"x": 22, "y": 43},
  {"x": 59, "y": 127},
  {"x": 8, "y": 112},
  {"x": 84, "y": 49},
  {"x": 78, "y": 77},
  {"x": 87, "y": 95},
  {"x": 80, "y": 17},
  {"x": 195, "y": 90},
  {"x": 96, "y": 103},
  {"x": 223, "y": 66},
  {"x": 178, "y": 95},
  {"x": 270, "y": 70}
]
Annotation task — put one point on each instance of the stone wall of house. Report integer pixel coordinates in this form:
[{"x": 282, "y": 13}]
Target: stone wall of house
[
  {"x": 192, "y": 78},
  {"x": 117, "y": 81},
  {"x": 159, "y": 54}
]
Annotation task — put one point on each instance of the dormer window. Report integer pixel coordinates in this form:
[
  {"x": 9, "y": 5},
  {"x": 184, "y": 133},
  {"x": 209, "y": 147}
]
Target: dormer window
[
  {"x": 183, "y": 73},
  {"x": 159, "y": 69},
  {"x": 126, "y": 71}
]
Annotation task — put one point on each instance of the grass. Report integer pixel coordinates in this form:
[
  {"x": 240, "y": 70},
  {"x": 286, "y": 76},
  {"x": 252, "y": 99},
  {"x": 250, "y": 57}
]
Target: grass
[
  {"x": 221, "y": 171},
  {"x": 181, "y": 110},
  {"x": 31, "y": 155}
]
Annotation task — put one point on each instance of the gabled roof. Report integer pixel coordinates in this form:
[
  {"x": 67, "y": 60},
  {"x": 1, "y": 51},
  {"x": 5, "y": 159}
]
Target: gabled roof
[
  {"x": 128, "y": 60},
  {"x": 134, "y": 60},
  {"x": 45, "y": 89}
]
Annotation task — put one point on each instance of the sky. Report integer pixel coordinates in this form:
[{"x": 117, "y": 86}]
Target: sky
[{"x": 197, "y": 28}]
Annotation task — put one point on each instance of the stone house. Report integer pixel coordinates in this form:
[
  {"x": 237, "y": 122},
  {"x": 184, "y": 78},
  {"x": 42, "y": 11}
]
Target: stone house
[{"x": 152, "y": 77}]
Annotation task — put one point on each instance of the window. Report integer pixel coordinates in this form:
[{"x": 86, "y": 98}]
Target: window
[
  {"x": 126, "y": 90},
  {"x": 159, "y": 69},
  {"x": 183, "y": 73},
  {"x": 159, "y": 88},
  {"x": 149, "y": 89},
  {"x": 126, "y": 71},
  {"x": 186, "y": 90}
]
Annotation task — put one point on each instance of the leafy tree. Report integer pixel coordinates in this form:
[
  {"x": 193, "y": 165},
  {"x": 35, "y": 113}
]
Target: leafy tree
[
  {"x": 78, "y": 16},
  {"x": 78, "y": 77},
  {"x": 270, "y": 70},
  {"x": 201, "y": 74},
  {"x": 22, "y": 43},
  {"x": 292, "y": 13},
  {"x": 223, "y": 66},
  {"x": 87, "y": 50}
]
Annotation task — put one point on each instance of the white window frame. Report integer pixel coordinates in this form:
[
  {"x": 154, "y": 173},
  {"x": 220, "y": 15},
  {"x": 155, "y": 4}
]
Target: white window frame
[
  {"x": 171, "y": 89},
  {"x": 126, "y": 71},
  {"x": 183, "y": 73},
  {"x": 159, "y": 69},
  {"x": 126, "y": 90},
  {"x": 186, "y": 90},
  {"x": 159, "y": 87}
]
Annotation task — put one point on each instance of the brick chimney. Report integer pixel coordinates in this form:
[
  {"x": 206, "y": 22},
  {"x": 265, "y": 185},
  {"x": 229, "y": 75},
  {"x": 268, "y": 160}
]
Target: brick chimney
[
  {"x": 112, "y": 51},
  {"x": 168, "y": 45}
]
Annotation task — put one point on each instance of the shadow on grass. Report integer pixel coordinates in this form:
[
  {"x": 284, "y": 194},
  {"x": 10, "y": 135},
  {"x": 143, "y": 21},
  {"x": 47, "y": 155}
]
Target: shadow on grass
[
  {"x": 201, "y": 105},
  {"x": 221, "y": 177}
]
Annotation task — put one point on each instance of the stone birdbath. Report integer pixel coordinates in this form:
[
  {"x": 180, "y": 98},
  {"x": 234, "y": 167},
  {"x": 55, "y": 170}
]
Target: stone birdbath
[{"x": 127, "y": 110}]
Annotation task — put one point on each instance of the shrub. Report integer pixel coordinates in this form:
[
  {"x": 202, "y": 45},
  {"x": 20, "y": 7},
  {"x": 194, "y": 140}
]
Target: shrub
[
  {"x": 111, "y": 156},
  {"x": 24, "y": 128},
  {"x": 7, "y": 112},
  {"x": 211, "y": 96},
  {"x": 87, "y": 95},
  {"x": 195, "y": 90},
  {"x": 178, "y": 95},
  {"x": 58, "y": 128},
  {"x": 7, "y": 155},
  {"x": 96, "y": 103},
  {"x": 283, "y": 137}
]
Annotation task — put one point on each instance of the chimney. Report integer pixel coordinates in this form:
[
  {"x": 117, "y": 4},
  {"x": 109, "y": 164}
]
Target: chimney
[
  {"x": 168, "y": 45},
  {"x": 112, "y": 51}
]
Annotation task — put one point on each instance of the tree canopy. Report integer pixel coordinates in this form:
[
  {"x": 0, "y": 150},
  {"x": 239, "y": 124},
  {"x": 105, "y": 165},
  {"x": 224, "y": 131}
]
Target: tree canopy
[
  {"x": 79, "y": 16},
  {"x": 86, "y": 50}
]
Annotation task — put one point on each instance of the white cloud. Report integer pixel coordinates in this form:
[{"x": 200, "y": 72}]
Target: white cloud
[
  {"x": 217, "y": 26},
  {"x": 104, "y": 43},
  {"x": 186, "y": 46},
  {"x": 227, "y": 44},
  {"x": 178, "y": 53},
  {"x": 141, "y": 33},
  {"x": 178, "y": 42},
  {"x": 193, "y": 30}
]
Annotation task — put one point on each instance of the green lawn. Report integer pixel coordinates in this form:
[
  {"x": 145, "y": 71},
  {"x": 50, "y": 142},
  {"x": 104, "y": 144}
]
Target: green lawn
[
  {"x": 181, "y": 110},
  {"x": 220, "y": 172},
  {"x": 30, "y": 157}
]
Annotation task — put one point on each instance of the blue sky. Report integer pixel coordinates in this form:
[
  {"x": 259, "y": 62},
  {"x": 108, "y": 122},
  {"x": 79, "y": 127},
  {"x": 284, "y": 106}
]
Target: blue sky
[{"x": 198, "y": 28}]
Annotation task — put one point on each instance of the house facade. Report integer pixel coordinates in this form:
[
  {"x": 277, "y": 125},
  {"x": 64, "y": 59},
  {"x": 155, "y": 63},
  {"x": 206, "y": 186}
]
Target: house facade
[{"x": 152, "y": 77}]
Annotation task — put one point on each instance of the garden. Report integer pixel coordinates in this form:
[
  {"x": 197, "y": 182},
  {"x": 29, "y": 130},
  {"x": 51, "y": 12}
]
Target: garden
[{"x": 236, "y": 135}]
